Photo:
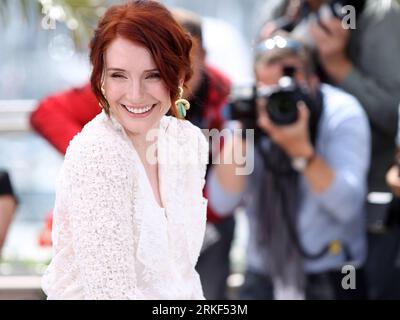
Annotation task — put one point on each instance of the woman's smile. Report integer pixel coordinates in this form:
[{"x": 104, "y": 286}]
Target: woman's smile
[{"x": 138, "y": 111}]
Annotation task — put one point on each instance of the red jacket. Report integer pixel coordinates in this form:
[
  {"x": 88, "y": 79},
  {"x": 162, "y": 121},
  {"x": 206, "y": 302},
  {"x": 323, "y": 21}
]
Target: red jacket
[{"x": 60, "y": 117}]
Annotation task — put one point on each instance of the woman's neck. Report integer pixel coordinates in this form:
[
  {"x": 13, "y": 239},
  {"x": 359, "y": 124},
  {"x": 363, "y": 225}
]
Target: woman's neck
[{"x": 145, "y": 146}]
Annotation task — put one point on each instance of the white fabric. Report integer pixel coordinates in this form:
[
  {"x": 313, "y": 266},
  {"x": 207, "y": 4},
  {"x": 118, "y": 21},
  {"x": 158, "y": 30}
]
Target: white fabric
[{"x": 111, "y": 240}]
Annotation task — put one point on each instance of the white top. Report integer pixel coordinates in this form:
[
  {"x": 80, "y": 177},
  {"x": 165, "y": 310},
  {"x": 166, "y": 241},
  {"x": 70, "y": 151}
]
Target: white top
[{"x": 111, "y": 240}]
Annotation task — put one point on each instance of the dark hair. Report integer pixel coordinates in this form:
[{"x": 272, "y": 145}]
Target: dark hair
[{"x": 150, "y": 24}]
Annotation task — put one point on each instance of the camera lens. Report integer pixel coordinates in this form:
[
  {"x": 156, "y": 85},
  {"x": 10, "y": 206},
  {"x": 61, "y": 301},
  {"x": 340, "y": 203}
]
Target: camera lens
[{"x": 282, "y": 107}]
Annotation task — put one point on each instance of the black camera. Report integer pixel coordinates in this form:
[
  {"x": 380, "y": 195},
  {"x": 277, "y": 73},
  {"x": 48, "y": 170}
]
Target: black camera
[{"x": 281, "y": 101}]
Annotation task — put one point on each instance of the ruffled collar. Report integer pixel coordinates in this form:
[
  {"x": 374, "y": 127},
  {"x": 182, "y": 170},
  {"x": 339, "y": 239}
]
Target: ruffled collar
[{"x": 116, "y": 125}]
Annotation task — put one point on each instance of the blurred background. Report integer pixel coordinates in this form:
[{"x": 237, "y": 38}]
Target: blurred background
[{"x": 44, "y": 51}]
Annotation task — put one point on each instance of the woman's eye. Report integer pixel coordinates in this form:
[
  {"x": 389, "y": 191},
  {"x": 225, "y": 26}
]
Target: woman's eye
[
  {"x": 117, "y": 75},
  {"x": 154, "y": 75}
]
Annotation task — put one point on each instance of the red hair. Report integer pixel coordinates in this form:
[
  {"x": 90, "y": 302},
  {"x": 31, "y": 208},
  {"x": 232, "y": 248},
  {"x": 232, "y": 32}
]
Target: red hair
[{"x": 150, "y": 24}]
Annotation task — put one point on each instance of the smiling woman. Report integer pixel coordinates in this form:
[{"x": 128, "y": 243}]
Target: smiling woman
[
  {"x": 168, "y": 46},
  {"x": 132, "y": 85},
  {"x": 122, "y": 229}
]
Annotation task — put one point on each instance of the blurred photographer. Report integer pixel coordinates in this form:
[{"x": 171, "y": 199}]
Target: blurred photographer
[
  {"x": 360, "y": 57},
  {"x": 358, "y": 53},
  {"x": 305, "y": 197}
]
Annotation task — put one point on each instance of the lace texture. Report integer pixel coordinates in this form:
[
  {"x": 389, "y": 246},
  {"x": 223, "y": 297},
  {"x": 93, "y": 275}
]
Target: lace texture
[{"x": 111, "y": 240}]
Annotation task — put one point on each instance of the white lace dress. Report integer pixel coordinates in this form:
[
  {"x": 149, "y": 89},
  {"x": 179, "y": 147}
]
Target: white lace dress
[{"x": 111, "y": 240}]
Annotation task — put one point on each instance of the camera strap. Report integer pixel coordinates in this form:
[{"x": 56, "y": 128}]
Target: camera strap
[{"x": 334, "y": 247}]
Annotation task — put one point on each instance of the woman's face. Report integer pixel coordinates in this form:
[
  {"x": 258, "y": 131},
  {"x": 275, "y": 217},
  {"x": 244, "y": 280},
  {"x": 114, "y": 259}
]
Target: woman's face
[{"x": 137, "y": 95}]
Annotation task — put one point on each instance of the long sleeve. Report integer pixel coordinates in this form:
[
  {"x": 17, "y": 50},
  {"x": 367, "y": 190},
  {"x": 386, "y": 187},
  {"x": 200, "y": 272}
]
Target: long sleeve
[
  {"x": 60, "y": 117},
  {"x": 348, "y": 153},
  {"x": 375, "y": 77},
  {"x": 222, "y": 202},
  {"x": 101, "y": 221}
]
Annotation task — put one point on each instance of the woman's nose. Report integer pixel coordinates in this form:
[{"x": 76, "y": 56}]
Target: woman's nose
[{"x": 135, "y": 91}]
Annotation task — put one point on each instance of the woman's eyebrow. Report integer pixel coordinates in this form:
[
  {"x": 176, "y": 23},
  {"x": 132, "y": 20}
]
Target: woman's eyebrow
[{"x": 115, "y": 69}]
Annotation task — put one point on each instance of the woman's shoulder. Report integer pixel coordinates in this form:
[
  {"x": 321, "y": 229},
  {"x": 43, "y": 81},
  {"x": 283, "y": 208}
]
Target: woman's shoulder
[
  {"x": 95, "y": 136},
  {"x": 97, "y": 142}
]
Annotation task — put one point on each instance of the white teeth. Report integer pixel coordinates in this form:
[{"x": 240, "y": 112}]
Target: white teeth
[{"x": 138, "y": 110}]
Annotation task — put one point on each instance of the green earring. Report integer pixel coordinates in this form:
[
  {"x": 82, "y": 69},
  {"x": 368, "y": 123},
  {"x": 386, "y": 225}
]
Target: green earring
[{"x": 182, "y": 105}]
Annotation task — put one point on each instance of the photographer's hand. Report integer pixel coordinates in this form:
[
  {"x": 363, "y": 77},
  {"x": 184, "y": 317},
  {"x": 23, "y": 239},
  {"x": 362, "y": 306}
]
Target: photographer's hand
[
  {"x": 294, "y": 140},
  {"x": 331, "y": 45}
]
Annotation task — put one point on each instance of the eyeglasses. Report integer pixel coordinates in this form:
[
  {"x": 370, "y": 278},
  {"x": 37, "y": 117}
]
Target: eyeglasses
[{"x": 278, "y": 42}]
